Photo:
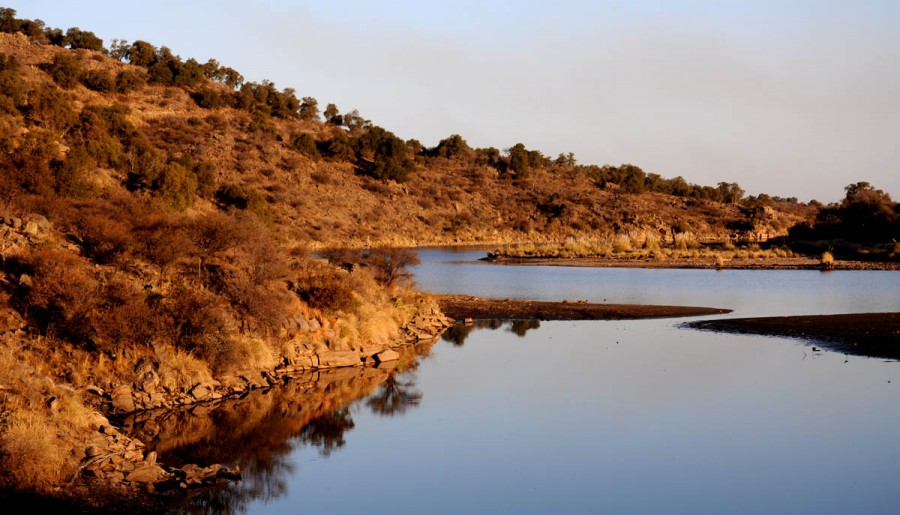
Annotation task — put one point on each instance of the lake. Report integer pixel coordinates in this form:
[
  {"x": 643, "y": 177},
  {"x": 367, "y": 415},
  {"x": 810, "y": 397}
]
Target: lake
[{"x": 577, "y": 417}]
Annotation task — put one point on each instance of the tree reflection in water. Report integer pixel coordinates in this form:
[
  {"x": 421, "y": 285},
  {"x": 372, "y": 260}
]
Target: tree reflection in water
[
  {"x": 458, "y": 333},
  {"x": 395, "y": 396},
  {"x": 261, "y": 431},
  {"x": 327, "y": 432}
]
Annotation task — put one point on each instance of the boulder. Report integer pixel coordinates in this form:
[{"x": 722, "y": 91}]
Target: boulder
[
  {"x": 339, "y": 358},
  {"x": 148, "y": 381},
  {"x": 145, "y": 474},
  {"x": 93, "y": 451},
  {"x": 122, "y": 399},
  {"x": 387, "y": 355},
  {"x": 201, "y": 392}
]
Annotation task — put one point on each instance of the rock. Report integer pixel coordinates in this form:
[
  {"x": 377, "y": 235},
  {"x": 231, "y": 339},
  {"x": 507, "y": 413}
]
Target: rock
[
  {"x": 145, "y": 474},
  {"x": 40, "y": 221},
  {"x": 26, "y": 281},
  {"x": 15, "y": 223},
  {"x": 314, "y": 325},
  {"x": 151, "y": 458},
  {"x": 32, "y": 229},
  {"x": 10, "y": 320},
  {"x": 93, "y": 451},
  {"x": 97, "y": 420},
  {"x": 122, "y": 399},
  {"x": 339, "y": 358},
  {"x": 301, "y": 323},
  {"x": 200, "y": 392},
  {"x": 95, "y": 390},
  {"x": 147, "y": 381},
  {"x": 387, "y": 355},
  {"x": 145, "y": 365},
  {"x": 53, "y": 405}
]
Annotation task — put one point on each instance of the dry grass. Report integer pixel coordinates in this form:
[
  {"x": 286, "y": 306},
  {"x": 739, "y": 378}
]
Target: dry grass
[{"x": 31, "y": 452}]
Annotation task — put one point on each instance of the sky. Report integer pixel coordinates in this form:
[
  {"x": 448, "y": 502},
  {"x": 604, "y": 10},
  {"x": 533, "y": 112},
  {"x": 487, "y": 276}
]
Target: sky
[{"x": 789, "y": 98}]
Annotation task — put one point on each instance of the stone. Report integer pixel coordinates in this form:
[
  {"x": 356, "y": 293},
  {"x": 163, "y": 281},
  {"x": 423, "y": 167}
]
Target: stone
[
  {"x": 314, "y": 325},
  {"x": 32, "y": 229},
  {"x": 200, "y": 392},
  {"x": 302, "y": 323},
  {"x": 97, "y": 420},
  {"x": 151, "y": 458},
  {"x": 387, "y": 355},
  {"x": 53, "y": 405},
  {"x": 95, "y": 390},
  {"x": 145, "y": 474},
  {"x": 339, "y": 358},
  {"x": 10, "y": 320},
  {"x": 122, "y": 399},
  {"x": 93, "y": 451}
]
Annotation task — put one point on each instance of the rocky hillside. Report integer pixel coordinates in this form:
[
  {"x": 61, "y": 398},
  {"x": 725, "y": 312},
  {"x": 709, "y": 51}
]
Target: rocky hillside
[
  {"x": 199, "y": 145},
  {"x": 157, "y": 218}
]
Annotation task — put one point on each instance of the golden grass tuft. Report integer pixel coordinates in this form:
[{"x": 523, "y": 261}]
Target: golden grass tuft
[
  {"x": 827, "y": 260},
  {"x": 32, "y": 456}
]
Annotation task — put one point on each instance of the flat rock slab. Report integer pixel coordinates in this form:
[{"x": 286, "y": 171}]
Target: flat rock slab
[
  {"x": 465, "y": 306},
  {"x": 865, "y": 334}
]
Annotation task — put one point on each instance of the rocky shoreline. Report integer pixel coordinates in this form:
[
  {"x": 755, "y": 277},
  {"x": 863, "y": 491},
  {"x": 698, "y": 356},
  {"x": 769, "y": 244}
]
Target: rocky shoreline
[{"x": 119, "y": 462}]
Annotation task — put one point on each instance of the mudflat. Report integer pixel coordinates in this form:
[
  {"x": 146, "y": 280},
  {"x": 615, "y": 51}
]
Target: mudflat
[
  {"x": 864, "y": 334},
  {"x": 466, "y": 306}
]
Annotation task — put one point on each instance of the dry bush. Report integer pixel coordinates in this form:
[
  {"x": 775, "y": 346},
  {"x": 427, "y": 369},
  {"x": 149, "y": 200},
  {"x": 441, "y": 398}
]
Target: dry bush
[
  {"x": 123, "y": 317},
  {"x": 196, "y": 321},
  {"x": 62, "y": 295},
  {"x": 103, "y": 238},
  {"x": 180, "y": 370},
  {"x": 325, "y": 290},
  {"x": 685, "y": 241},
  {"x": 30, "y": 452}
]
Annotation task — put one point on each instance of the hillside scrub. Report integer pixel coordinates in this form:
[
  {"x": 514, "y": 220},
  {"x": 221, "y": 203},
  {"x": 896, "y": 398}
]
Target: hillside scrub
[{"x": 160, "y": 218}]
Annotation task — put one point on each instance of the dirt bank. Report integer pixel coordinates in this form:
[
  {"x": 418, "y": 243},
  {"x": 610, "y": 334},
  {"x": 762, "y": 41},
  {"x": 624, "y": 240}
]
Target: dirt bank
[
  {"x": 864, "y": 334},
  {"x": 464, "y": 306},
  {"x": 788, "y": 263}
]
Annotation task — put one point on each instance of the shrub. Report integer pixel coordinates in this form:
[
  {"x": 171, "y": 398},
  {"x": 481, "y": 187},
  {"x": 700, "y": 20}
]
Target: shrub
[
  {"x": 128, "y": 81},
  {"x": 827, "y": 260},
  {"x": 391, "y": 265},
  {"x": 99, "y": 80},
  {"x": 65, "y": 70},
  {"x": 305, "y": 144}
]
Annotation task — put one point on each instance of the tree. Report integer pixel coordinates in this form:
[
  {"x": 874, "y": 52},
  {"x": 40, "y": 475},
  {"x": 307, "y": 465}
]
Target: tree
[
  {"x": 332, "y": 115},
  {"x": 78, "y": 38},
  {"x": 141, "y": 53},
  {"x": 391, "y": 264},
  {"x": 452, "y": 146},
  {"x": 309, "y": 109},
  {"x": 730, "y": 193}
]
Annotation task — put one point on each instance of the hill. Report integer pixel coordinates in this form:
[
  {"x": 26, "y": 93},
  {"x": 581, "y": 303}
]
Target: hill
[{"x": 159, "y": 219}]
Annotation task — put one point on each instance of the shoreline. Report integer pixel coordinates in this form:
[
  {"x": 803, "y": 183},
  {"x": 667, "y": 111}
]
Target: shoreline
[
  {"x": 463, "y": 307},
  {"x": 875, "y": 335},
  {"x": 695, "y": 263}
]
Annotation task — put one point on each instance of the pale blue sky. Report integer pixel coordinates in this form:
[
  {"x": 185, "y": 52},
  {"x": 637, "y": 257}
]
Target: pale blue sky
[{"x": 790, "y": 98}]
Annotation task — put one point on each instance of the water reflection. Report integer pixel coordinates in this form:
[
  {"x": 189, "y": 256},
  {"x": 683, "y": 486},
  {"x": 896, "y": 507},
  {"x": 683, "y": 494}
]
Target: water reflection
[
  {"x": 458, "y": 333},
  {"x": 261, "y": 430}
]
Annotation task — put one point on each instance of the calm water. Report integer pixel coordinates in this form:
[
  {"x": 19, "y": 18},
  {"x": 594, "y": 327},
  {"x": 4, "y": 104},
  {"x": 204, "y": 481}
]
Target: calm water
[{"x": 581, "y": 417}]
